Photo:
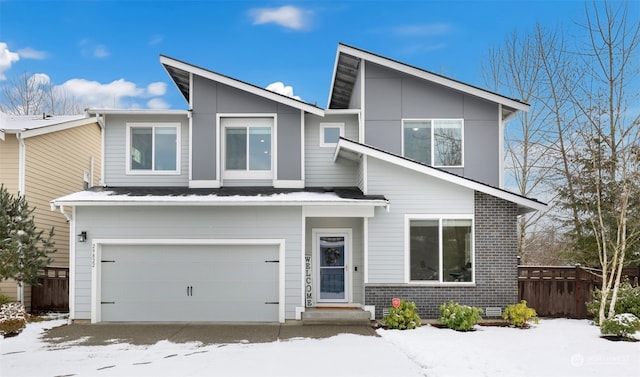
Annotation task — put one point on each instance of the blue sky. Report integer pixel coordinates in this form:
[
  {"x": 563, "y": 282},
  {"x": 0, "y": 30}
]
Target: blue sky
[{"x": 106, "y": 53}]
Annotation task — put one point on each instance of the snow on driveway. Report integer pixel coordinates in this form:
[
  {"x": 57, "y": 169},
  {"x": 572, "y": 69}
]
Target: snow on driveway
[{"x": 555, "y": 347}]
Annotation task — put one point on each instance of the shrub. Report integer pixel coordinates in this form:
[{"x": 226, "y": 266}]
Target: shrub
[
  {"x": 4, "y": 299},
  {"x": 519, "y": 315},
  {"x": 459, "y": 317},
  {"x": 403, "y": 317},
  {"x": 628, "y": 301},
  {"x": 12, "y": 318},
  {"x": 621, "y": 325}
]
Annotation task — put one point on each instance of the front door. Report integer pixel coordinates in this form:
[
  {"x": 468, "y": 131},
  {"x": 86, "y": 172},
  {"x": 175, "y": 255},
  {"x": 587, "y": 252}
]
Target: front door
[{"x": 332, "y": 260}]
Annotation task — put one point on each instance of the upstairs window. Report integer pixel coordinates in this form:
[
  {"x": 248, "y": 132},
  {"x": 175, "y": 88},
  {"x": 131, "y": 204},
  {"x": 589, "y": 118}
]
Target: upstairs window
[
  {"x": 435, "y": 142},
  {"x": 248, "y": 144},
  {"x": 153, "y": 148},
  {"x": 330, "y": 133}
]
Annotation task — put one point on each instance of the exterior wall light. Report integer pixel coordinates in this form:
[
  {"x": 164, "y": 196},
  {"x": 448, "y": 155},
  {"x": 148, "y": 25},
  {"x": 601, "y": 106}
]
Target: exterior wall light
[{"x": 82, "y": 237}]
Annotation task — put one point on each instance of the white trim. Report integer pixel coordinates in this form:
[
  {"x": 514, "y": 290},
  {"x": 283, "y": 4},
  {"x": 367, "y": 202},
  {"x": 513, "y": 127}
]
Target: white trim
[
  {"x": 137, "y": 112},
  {"x": 288, "y": 183},
  {"x": 58, "y": 127},
  {"x": 303, "y": 127},
  {"x": 501, "y": 162},
  {"x": 228, "y": 120},
  {"x": 408, "y": 217},
  {"x": 103, "y": 149},
  {"x": 433, "y": 139},
  {"x": 365, "y": 174},
  {"x": 342, "y": 112},
  {"x": 190, "y": 120},
  {"x": 361, "y": 130},
  {"x": 72, "y": 265},
  {"x": 365, "y": 244},
  {"x": 348, "y": 288},
  {"x": 165, "y": 60},
  {"x": 440, "y": 174},
  {"x": 143, "y": 201},
  {"x": 22, "y": 164},
  {"x": 323, "y": 126},
  {"x": 96, "y": 254},
  {"x": 153, "y": 126},
  {"x": 441, "y": 80},
  {"x": 202, "y": 183}
]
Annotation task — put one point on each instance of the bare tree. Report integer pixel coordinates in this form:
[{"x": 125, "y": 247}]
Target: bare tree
[{"x": 34, "y": 95}]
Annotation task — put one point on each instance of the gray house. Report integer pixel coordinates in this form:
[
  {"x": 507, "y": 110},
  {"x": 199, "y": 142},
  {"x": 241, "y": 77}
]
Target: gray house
[{"x": 256, "y": 207}]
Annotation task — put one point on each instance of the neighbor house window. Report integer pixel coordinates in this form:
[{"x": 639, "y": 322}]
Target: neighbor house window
[
  {"x": 330, "y": 134},
  {"x": 153, "y": 147},
  {"x": 436, "y": 142},
  {"x": 440, "y": 250},
  {"x": 248, "y": 147}
]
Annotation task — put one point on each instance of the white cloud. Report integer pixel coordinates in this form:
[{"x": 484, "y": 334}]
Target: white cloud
[
  {"x": 30, "y": 53},
  {"x": 98, "y": 95},
  {"x": 157, "y": 103},
  {"x": 7, "y": 58},
  {"x": 89, "y": 48},
  {"x": 157, "y": 89},
  {"x": 39, "y": 79},
  {"x": 280, "y": 88},
  {"x": 288, "y": 16},
  {"x": 100, "y": 52}
]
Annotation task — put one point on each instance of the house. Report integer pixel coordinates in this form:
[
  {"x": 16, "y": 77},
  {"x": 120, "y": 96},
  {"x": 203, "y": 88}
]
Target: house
[
  {"x": 254, "y": 206},
  {"x": 44, "y": 157}
]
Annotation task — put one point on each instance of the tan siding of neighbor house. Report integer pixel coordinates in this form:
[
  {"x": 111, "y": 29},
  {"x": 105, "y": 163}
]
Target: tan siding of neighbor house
[
  {"x": 55, "y": 166},
  {"x": 9, "y": 162}
]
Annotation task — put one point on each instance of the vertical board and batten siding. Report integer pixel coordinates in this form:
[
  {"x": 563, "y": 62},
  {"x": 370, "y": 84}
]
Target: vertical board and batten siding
[
  {"x": 116, "y": 155},
  {"x": 320, "y": 169},
  {"x": 392, "y": 96},
  {"x": 409, "y": 192},
  {"x": 211, "y": 98},
  {"x": 357, "y": 252},
  {"x": 55, "y": 166},
  {"x": 9, "y": 173},
  {"x": 159, "y": 223}
]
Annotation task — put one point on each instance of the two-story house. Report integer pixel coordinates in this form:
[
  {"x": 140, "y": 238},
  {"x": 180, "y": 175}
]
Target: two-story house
[
  {"x": 43, "y": 157},
  {"x": 254, "y": 206}
]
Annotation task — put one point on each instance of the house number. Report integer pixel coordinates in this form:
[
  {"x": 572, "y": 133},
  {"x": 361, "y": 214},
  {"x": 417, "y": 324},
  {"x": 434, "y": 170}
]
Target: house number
[{"x": 308, "y": 282}]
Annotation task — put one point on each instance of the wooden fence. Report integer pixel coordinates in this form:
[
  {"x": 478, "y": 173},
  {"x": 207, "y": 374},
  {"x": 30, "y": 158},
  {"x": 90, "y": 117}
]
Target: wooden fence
[
  {"x": 561, "y": 291},
  {"x": 52, "y": 291}
]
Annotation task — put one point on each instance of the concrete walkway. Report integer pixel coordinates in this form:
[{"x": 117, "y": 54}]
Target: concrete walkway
[{"x": 147, "y": 334}]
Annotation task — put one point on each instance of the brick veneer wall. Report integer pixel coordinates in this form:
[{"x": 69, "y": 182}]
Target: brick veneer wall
[{"x": 496, "y": 266}]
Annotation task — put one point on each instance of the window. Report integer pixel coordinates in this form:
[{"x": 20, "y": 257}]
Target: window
[
  {"x": 436, "y": 142},
  {"x": 153, "y": 147},
  {"x": 440, "y": 250},
  {"x": 330, "y": 133},
  {"x": 248, "y": 145}
]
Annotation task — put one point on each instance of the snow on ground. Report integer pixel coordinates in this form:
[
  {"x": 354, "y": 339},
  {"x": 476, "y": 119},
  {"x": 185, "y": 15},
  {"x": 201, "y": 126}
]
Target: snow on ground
[{"x": 555, "y": 347}]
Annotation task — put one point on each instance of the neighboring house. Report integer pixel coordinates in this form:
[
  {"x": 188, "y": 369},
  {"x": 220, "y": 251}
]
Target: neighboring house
[
  {"x": 44, "y": 157},
  {"x": 254, "y": 206}
]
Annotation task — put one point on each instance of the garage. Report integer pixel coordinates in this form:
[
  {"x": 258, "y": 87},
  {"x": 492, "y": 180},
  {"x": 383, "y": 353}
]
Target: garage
[{"x": 189, "y": 283}]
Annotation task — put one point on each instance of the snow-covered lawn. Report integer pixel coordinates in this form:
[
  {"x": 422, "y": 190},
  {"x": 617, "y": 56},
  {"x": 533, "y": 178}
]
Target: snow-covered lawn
[{"x": 555, "y": 347}]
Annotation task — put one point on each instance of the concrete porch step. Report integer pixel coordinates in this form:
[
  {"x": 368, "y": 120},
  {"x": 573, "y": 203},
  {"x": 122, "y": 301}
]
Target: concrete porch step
[{"x": 336, "y": 316}]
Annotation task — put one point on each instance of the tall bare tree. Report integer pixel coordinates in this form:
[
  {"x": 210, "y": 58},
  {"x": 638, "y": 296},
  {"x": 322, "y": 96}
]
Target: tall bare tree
[{"x": 33, "y": 95}]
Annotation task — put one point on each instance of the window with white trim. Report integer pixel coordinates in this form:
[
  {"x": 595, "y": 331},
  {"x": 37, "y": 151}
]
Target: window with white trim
[
  {"x": 153, "y": 148},
  {"x": 440, "y": 250},
  {"x": 436, "y": 142},
  {"x": 247, "y": 148},
  {"x": 330, "y": 133}
]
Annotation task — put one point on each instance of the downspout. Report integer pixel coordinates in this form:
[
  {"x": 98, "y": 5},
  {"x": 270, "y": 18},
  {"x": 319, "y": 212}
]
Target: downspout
[{"x": 22, "y": 166}]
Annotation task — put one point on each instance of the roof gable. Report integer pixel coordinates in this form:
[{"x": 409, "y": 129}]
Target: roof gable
[
  {"x": 353, "y": 150},
  {"x": 349, "y": 61},
  {"x": 34, "y": 125},
  {"x": 180, "y": 73}
]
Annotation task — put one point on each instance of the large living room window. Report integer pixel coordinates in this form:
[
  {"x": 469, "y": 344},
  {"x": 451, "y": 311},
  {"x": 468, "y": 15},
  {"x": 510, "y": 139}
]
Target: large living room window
[
  {"x": 436, "y": 142},
  {"x": 440, "y": 250},
  {"x": 248, "y": 148},
  {"x": 153, "y": 148}
]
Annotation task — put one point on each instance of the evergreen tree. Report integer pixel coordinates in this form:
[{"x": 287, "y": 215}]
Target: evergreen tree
[{"x": 24, "y": 251}]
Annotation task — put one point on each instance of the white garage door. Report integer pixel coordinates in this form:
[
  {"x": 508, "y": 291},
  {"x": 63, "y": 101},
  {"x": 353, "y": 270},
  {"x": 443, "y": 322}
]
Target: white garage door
[{"x": 166, "y": 283}]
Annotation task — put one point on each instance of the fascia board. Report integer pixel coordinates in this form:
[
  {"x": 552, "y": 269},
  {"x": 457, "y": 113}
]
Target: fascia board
[
  {"x": 136, "y": 112},
  {"x": 213, "y": 203},
  {"x": 441, "y": 80},
  {"x": 58, "y": 127},
  {"x": 357, "y": 148},
  {"x": 241, "y": 85}
]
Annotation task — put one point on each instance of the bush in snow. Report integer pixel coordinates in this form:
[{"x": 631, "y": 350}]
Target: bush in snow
[
  {"x": 621, "y": 325},
  {"x": 519, "y": 315},
  {"x": 4, "y": 299},
  {"x": 13, "y": 318},
  {"x": 628, "y": 301},
  {"x": 403, "y": 315},
  {"x": 459, "y": 317}
]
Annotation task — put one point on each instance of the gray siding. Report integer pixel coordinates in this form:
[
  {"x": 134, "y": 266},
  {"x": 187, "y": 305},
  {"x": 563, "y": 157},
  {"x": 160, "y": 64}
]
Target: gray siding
[
  {"x": 116, "y": 158},
  {"x": 409, "y": 192},
  {"x": 320, "y": 170},
  {"x": 211, "y": 98},
  {"x": 392, "y": 96},
  {"x": 357, "y": 243},
  {"x": 496, "y": 266},
  {"x": 194, "y": 222}
]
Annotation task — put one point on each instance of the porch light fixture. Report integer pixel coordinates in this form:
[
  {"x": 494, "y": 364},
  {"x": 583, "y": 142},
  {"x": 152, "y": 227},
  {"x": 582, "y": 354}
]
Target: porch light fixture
[{"x": 82, "y": 237}]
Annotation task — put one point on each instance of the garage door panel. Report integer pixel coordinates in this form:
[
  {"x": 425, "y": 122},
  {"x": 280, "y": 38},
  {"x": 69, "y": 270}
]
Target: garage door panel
[{"x": 189, "y": 283}]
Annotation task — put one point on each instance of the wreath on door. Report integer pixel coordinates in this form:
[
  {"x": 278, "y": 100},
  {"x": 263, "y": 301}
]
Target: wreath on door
[{"x": 331, "y": 255}]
